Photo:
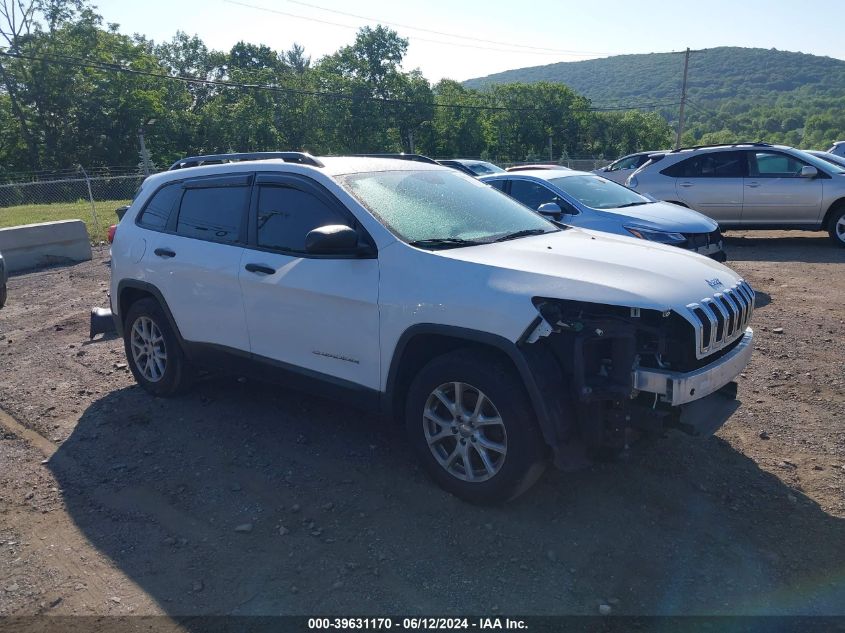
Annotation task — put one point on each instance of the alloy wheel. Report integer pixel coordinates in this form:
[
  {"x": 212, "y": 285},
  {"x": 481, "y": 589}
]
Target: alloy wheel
[
  {"x": 465, "y": 432},
  {"x": 148, "y": 349}
]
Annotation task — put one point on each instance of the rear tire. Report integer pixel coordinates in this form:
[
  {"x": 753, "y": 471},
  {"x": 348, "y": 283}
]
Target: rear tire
[
  {"x": 472, "y": 425},
  {"x": 3, "y": 295},
  {"x": 153, "y": 351},
  {"x": 836, "y": 226}
]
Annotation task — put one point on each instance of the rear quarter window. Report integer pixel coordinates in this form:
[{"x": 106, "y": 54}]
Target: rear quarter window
[{"x": 156, "y": 212}]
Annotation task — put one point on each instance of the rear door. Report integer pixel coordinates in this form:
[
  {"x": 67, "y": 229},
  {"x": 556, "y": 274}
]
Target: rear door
[
  {"x": 711, "y": 183},
  {"x": 775, "y": 192},
  {"x": 194, "y": 256},
  {"x": 317, "y": 313}
]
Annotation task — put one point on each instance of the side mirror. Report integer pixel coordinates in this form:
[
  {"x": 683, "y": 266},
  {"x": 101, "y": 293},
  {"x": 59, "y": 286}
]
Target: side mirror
[
  {"x": 550, "y": 209},
  {"x": 334, "y": 239},
  {"x": 808, "y": 171}
]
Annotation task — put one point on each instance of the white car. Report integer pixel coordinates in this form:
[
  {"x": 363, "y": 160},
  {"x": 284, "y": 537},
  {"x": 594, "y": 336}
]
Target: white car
[
  {"x": 621, "y": 168},
  {"x": 497, "y": 337},
  {"x": 838, "y": 148}
]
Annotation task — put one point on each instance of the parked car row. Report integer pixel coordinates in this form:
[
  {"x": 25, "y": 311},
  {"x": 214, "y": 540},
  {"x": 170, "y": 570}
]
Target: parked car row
[{"x": 500, "y": 339}]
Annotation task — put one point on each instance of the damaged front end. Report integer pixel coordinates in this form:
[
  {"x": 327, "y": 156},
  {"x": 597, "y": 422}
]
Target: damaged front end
[{"x": 611, "y": 374}]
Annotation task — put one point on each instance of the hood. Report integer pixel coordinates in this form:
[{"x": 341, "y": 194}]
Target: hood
[
  {"x": 666, "y": 216},
  {"x": 600, "y": 268}
]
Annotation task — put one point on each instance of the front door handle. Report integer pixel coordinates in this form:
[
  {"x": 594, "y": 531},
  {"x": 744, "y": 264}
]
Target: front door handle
[
  {"x": 686, "y": 184},
  {"x": 753, "y": 185},
  {"x": 260, "y": 268},
  {"x": 164, "y": 252}
]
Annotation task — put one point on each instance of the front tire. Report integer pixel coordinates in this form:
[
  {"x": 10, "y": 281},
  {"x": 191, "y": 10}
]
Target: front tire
[
  {"x": 153, "y": 351},
  {"x": 837, "y": 227},
  {"x": 472, "y": 425}
]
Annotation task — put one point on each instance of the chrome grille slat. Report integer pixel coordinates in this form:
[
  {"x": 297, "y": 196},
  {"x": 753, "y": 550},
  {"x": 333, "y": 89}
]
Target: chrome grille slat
[
  {"x": 746, "y": 299},
  {"x": 736, "y": 312},
  {"x": 723, "y": 318},
  {"x": 736, "y": 295}
]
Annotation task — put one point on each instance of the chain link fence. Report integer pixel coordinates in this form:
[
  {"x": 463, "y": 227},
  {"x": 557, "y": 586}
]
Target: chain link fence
[
  {"x": 68, "y": 195},
  {"x": 578, "y": 164}
]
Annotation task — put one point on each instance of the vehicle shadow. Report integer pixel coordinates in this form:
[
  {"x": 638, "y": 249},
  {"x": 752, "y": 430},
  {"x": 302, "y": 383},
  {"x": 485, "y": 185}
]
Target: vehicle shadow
[
  {"x": 812, "y": 248},
  {"x": 247, "y": 499}
]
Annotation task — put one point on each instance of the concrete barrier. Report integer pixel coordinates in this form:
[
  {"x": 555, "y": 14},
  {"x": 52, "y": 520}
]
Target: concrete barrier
[{"x": 34, "y": 245}]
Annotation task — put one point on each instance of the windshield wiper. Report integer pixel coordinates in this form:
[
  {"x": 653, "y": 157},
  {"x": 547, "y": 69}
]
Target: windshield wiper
[
  {"x": 633, "y": 204},
  {"x": 525, "y": 233},
  {"x": 444, "y": 242}
]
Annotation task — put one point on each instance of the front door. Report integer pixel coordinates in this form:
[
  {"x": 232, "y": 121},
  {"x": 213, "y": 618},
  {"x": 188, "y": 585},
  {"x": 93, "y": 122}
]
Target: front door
[{"x": 318, "y": 313}]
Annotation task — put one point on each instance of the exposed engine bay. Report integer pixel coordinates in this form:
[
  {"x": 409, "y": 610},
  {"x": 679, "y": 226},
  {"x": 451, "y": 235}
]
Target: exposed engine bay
[{"x": 585, "y": 357}]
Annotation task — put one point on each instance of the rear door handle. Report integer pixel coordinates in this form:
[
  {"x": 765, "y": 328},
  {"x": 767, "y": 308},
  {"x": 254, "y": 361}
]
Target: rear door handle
[
  {"x": 753, "y": 185},
  {"x": 686, "y": 184},
  {"x": 164, "y": 252},
  {"x": 260, "y": 268}
]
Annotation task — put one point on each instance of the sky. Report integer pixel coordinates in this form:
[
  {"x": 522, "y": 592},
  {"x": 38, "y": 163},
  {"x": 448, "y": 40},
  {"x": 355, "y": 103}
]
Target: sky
[{"x": 472, "y": 38}]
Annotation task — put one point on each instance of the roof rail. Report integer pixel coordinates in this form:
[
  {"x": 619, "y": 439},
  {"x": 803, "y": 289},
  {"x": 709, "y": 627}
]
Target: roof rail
[
  {"x": 303, "y": 158},
  {"x": 403, "y": 156},
  {"x": 723, "y": 145}
]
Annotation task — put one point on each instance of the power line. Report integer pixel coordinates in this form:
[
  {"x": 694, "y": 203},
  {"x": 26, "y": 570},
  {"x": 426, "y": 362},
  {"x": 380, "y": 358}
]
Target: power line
[
  {"x": 81, "y": 62},
  {"x": 419, "y": 39},
  {"x": 418, "y": 28}
]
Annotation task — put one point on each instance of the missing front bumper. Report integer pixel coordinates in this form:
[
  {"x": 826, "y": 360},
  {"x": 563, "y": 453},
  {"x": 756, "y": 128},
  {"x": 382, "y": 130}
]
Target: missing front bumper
[{"x": 677, "y": 388}]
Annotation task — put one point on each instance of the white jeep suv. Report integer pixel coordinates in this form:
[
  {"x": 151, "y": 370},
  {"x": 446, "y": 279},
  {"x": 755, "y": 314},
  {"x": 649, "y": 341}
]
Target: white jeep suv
[{"x": 498, "y": 337}]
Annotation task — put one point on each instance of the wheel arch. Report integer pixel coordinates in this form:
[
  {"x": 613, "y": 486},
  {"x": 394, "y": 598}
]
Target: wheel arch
[
  {"x": 421, "y": 343},
  {"x": 130, "y": 291},
  {"x": 831, "y": 210}
]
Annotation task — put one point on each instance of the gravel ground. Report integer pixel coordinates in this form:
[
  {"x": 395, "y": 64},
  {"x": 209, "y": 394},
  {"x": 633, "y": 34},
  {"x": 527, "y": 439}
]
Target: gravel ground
[{"x": 245, "y": 498}]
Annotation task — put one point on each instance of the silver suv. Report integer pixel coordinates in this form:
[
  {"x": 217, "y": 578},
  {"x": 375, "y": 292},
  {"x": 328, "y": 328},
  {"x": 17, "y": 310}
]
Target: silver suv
[{"x": 750, "y": 186}]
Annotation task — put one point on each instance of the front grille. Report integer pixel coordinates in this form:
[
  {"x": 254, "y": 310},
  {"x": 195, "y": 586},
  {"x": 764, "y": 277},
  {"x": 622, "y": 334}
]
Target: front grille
[
  {"x": 721, "y": 319},
  {"x": 700, "y": 240}
]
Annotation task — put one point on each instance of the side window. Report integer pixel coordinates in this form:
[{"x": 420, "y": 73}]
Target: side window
[
  {"x": 157, "y": 212},
  {"x": 213, "y": 213},
  {"x": 531, "y": 194},
  {"x": 773, "y": 165},
  {"x": 286, "y": 215},
  {"x": 712, "y": 165},
  {"x": 498, "y": 184}
]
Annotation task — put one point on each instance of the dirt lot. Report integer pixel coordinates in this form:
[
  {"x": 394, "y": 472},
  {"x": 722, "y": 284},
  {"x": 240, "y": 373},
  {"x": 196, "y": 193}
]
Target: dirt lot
[{"x": 244, "y": 498}]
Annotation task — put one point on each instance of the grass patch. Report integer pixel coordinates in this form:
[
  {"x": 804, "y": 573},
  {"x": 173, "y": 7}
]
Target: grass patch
[{"x": 35, "y": 213}]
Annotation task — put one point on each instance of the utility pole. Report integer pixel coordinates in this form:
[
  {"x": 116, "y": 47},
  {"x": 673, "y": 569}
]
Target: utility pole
[
  {"x": 683, "y": 101},
  {"x": 146, "y": 163}
]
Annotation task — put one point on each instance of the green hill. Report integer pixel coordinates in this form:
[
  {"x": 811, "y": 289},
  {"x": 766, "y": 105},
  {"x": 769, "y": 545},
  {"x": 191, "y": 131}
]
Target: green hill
[
  {"x": 748, "y": 93},
  {"x": 714, "y": 74}
]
